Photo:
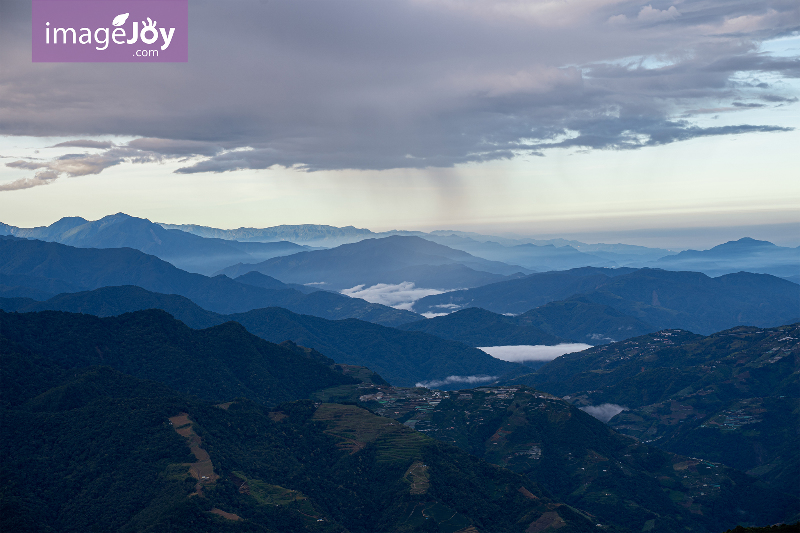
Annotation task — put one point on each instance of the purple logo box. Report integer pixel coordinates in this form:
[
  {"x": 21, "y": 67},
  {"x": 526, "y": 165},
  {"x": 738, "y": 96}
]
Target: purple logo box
[{"x": 110, "y": 31}]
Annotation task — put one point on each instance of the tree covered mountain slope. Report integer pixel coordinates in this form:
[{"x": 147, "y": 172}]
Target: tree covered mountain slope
[
  {"x": 732, "y": 397},
  {"x": 576, "y": 319},
  {"x": 403, "y": 358},
  {"x": 478, "y": 327},
  {"x": 626, "y": 485},
  {"x": 109, "y": 452},
  {"x": 215, "y": 364}
]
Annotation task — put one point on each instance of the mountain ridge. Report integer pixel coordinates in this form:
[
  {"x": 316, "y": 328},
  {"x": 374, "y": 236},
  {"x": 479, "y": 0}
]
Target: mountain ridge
[{"x": 89, "y": 268}]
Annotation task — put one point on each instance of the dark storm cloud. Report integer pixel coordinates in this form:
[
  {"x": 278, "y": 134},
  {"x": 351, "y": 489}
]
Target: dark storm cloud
[{"x": 403, "y": 83}]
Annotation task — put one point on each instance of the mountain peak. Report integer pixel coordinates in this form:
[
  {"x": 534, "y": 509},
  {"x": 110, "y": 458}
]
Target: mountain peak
[{"x": 744, "y": 242}]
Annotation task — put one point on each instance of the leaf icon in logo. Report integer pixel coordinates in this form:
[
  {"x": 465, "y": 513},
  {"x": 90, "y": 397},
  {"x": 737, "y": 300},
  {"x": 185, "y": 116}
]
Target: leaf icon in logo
[{"x": 119, "y": 20}]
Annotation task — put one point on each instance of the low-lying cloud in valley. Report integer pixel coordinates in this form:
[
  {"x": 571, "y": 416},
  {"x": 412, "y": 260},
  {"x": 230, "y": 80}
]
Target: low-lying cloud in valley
[
  {"x": 400, "y": 296},
  {"x": 453, "y": 380},
  {"x": 522, "y": 353},
  {"x": 605, "y": 411}
]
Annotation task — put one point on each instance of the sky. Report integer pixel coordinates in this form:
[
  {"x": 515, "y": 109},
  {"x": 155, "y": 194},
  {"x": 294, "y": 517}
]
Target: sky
[{"x": 669, "y": 123}]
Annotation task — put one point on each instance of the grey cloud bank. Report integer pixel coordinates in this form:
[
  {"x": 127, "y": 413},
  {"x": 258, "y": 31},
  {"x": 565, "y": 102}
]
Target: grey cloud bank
[{"x": 404, "y": 84}]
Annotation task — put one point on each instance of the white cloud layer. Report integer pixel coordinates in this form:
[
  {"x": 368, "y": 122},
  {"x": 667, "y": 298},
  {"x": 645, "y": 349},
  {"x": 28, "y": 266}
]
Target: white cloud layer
[
  {"x": 521, "y": 353},
  {"x": 453, "y": 380},
  {"x": 400, "y": 296},
  {"x": 605, "y": 411}
]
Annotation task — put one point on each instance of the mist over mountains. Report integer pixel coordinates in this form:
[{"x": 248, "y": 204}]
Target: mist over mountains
[
  {"x": 394, "y": 259},
  {"x": 401, "y": 357},
  {"x": 28, "y": 266},
  {"x": 271, "y": 397},
  {"x": 472, "y": 258},
  {"x": 545, "y": 254}
]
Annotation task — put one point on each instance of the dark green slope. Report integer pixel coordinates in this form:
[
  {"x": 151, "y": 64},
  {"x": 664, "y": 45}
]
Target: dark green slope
[
  {"x": 403, "y": 358},
  {"x": 576, "y": 319},
  {"x": 733, "y": 397},
  {"x": 737, "y": 363},
  {"x": 581, "y": 320},
  {"x": 100, "y": 452},
  {"x": 478, "y": 327},
  {"x": 625, "y": 485},
  {"x": 215, "y": 364},
  {"x": 39, "y": 263},
  {"x": 78, "y": 460}
]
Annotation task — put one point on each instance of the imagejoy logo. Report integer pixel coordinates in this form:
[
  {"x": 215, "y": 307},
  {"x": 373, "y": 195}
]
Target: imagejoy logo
[{"x": 79, "y": 31}]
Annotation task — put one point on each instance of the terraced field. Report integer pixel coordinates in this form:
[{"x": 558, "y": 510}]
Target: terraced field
[
  {"x": 203, "y": 469},
  {"x": 357, "y": 427}
]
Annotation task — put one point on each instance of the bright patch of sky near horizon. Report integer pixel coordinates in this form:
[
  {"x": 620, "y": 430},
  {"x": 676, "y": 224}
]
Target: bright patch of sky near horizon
[
  {"x": 681, "y": 194},
  {"x": 541, "y": 352}
]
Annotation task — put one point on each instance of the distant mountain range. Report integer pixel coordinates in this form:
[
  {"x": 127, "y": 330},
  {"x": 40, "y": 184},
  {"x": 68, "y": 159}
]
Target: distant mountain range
[
  {"x": 731, "y": 397},
  {"x": 331, "y": 236},
  {"x": 403, "y": 358},
  {"x": 184, "y": 250},
  {"x": 471, "y": 257},
  {"x": 390, "y": 260},
  {"x": 745, "y": 254},
  {"x": 32, "y": 267},
  {"x": 658, "y": 298},
  {"x": 546, "y": 254}
]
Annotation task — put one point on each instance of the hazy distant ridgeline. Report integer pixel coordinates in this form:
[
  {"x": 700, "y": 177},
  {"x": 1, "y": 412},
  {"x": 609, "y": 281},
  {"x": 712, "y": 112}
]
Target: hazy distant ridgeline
[
  {"x": 403, "y": 358},
  {"x": 37, "y": 266},
  {"x": 493, "y": 247},
  {"x": 438, "y": 260},
  {"x": 390, "y": 260},
  {"x": 542, "y": 255},
  {"x": 184, "y": 250},
  {"x": 659, "y": 298},
  {"x": 316, "y": 234},
  {"x": 745, "y": 254}
]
